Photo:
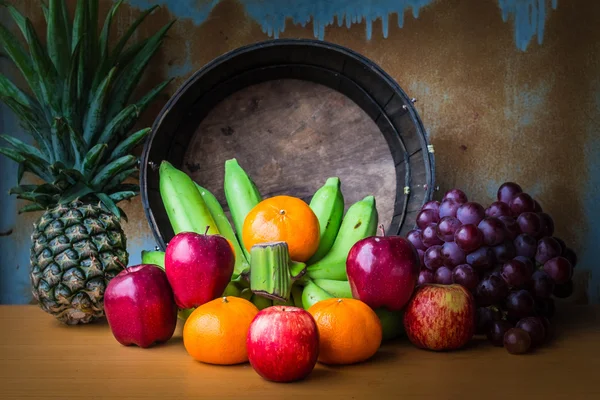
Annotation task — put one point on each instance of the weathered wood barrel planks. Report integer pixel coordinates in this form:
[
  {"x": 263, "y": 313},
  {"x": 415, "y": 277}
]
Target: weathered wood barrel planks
[{"x": 294, "y": 112}]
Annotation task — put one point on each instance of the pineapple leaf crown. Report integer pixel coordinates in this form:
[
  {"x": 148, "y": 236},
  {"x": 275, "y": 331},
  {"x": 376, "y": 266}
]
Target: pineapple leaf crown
[{"x": 78, "y": 108}]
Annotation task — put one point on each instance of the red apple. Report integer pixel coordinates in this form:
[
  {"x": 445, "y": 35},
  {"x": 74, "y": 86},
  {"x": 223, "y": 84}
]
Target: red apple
[
  {"x": 139, "y": 306},
  {"x": 383, "y": 271},
  {"x": 199, "y": 267},
  {"x": 440, "y": 317},
  {"x": 283, "y": 343}
]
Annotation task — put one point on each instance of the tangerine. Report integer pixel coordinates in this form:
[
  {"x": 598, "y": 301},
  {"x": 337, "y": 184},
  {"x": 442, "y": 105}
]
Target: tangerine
[
  {"x": 215, "y": 332},
  {"x": 286, "y": 219},
  {"x": 350, "y": 331}
]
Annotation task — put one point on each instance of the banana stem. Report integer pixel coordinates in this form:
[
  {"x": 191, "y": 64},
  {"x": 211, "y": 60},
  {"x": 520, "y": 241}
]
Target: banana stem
[{"x": 272, "y": 272}]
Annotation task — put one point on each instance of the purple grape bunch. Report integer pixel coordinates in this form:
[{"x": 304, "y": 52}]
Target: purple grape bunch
[{"x": 507, "y": 255}]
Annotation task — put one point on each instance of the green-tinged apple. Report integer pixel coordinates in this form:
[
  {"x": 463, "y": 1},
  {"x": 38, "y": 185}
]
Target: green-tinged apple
[{"x": 440, "y": 317}]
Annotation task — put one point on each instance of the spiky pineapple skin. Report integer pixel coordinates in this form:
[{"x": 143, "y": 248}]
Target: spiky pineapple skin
[{"x": 77, "y": 248}]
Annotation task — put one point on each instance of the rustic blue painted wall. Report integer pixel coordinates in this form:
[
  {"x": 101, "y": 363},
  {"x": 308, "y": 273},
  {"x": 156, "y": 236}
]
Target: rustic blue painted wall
[{"x": 486, "y": 73}]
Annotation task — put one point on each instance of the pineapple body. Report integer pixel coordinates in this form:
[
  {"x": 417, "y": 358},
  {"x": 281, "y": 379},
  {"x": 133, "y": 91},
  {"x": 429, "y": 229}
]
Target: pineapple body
[{"x": 76, "y": 249}]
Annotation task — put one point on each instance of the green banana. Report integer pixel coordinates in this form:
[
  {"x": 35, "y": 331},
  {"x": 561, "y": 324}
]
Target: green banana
[
  {"x": 335, "y": 288},
  {"x": 272, "y": 271},
  {"x": 232, "y": 290},
  {"x": 261, "y": 302},
  {"x": 154, "y": 257},
  {"x": 328, "y": 205},
  {"x": 391, "y": 323},
  {"x": 185, "y": 207},
  {"x": 296, "y": 295},
  {"x": 359, "y": 222},
  {"x": 242, "y": 195},
  {"x": 225, "y": 229},
  {"x": 312, "y": 294},
  {"x": 246, "y": 294}
]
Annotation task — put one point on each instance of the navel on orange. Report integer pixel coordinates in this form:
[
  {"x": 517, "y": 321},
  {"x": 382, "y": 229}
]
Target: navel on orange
[
  {"x": 349, "y": 330},
  {"x": 283, "y": 218},
  {"x": 215, "y": 332}
]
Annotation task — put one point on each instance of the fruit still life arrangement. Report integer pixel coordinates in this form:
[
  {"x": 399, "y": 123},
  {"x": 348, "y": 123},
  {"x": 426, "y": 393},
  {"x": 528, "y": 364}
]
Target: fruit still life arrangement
[{"x": 277, "y": 282}]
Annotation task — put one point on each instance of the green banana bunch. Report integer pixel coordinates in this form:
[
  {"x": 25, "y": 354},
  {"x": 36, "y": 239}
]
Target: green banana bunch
[
  {"x": 154, "y": 257},
  {"x": 225, "y": 229},
  {"x": 242, "y": 196},
  {"x": 186, "y": 209},
  {"x": 359, "y": 222},
  {"x": 328, "y": 205}
]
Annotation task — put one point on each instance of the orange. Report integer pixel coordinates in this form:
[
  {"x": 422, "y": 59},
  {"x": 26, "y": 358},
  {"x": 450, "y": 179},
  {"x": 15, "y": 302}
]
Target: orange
[
  {"x": 283, "y": 219},
  {"x": 215, "y": 332},
  {"x": 350, "y": 332}
]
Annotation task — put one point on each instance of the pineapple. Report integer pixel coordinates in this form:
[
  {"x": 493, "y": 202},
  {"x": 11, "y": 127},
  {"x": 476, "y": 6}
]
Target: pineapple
[{"x": 78, "y": 110}]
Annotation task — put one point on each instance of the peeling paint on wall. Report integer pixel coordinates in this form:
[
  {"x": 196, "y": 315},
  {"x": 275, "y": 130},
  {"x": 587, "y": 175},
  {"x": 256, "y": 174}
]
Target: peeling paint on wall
[
  {"x": 528, "y": 16},
  {"x": 529, "y": 19},
  {"x": 272, "y": 16},
  {"x": 196, "y": 10}
]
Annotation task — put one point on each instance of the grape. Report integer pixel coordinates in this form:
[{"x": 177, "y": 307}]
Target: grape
[
  {"x": 496, "y": 331},
  {"x": 535, "y": 328},
  {"x": 525, "y": 245},
  {"x": 466, "y": 276},
  {"x": 490, "y": 290},
  {"x": 522, "y": 202},
  {"x": 526, "y": 261},
  {"x": 570, "y": 255},
  {"x": 541, "y": 284},
  {"x": 453, "y": 255},
  {"x": 434, "y": 258},
  {"x": 446, "y": 228},
  {"x": 516, "y": 273},
  {"x": 432, "y": 205},
  {"x": 415, "y": 236},
  {"x": 421, "y": 257},
  {"x": 536, "y": 206},
  {"x": 564, "y": 290},
  {"x": 493, "y": 231},
  {"x": 484, "y": 317},
  {"x": 456, "y": 195},
  {"x": 482, "y": 258},
  {"x": 530, "y": 223},
  {"x": 426, "y": 217},
  {"x": 425, "y": 277},
  {"x": 443, "y": 276},
  {"x": 429, "y": 236},
  {"x": 498, "y": 209},
  {"x": 545, "y": 307},
  {"x": 562, "y": 244},
  {"x": 470, "y": 213},
  {"x": 449, "y": 207},
  {"x": 547, "y": 224},
  {"x": 520, "y": 303},
  {"x": 468, "y": 237},
  {"x": 559, "y": 269},
  {"x": 512, "y": 228},
  {"x": 507, "y": 191},
  {"x": 517, "y": 341},
  {"x": 547, "y": 248},
  {"x": 504, "y": 251}
]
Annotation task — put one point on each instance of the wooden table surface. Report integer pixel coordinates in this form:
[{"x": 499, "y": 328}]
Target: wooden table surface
[{"x": 41, "y": 358}]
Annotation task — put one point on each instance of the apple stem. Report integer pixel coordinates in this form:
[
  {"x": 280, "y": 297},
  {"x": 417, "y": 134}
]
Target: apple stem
[
  {"x": 382, "y": 229},
  {"x": 207, "y": 228}
]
